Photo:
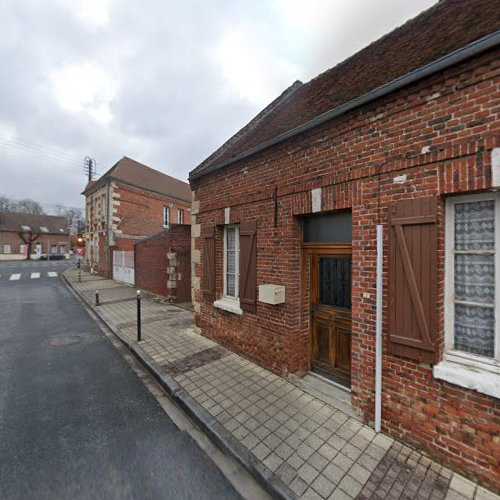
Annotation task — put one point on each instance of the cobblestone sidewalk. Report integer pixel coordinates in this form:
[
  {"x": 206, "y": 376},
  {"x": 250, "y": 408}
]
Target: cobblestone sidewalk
[{"x": 315, "y": 449}]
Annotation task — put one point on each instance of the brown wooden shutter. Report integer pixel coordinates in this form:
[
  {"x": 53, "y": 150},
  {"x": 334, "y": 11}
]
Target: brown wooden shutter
[
  {"x": 209, "y": 262},
  {"x": 248, "y": 265},
  {"x": 412, "y": 278}
]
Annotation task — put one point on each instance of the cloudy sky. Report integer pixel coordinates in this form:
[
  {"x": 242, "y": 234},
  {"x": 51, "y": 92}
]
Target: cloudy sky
[{"x": 162, "y": 82}]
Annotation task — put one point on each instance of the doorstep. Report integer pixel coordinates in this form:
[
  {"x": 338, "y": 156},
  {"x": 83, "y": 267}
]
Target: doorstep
[{"x": 328, "y": 392}]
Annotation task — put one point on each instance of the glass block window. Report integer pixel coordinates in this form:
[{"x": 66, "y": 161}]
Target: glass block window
[
  {"x": 231, "y": 261},
  {"x": 473, "y": 251}
]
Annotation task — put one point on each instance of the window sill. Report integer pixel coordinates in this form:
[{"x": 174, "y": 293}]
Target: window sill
[
  {"x": 230, "y": 305},
  {"x": 471, "y": 377}
]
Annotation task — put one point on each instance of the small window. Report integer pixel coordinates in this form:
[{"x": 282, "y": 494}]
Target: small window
[
  {"x": 231, "y": 261},
  {"x": 7, "y": 248},
  {"x": 180, "y": 216},
  {"x": 166, "y": 216},
  {"x": 44, "y": 229},
  {"x": 26, "y": 228}
]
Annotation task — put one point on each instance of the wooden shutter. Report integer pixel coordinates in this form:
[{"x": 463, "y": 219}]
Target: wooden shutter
[
  {"x": 248, "y": 265},
  {"x": 412, "y": 279},
  {"x": 209, "y": 261}
]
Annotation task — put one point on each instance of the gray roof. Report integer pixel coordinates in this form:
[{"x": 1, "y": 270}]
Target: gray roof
[{"x": 14, "y": 222}]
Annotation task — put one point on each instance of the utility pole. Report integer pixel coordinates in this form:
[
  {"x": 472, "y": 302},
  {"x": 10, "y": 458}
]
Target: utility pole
[{"x": 89, "y": 166}]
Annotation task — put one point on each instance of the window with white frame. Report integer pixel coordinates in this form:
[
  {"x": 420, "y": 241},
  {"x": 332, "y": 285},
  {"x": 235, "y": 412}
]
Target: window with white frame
[
  {"x": 7, "y": 248},
  {"x": 472, "y": 288},
  {"x": 231, "y": 261},
  {"x": 230, "y": 299},
  {"x": 180, "y": 216},
  {"x": 166, "y": 216}
]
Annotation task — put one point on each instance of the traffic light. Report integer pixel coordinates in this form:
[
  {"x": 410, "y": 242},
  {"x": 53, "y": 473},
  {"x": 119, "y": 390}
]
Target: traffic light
[{"x": 80, "y": 240}]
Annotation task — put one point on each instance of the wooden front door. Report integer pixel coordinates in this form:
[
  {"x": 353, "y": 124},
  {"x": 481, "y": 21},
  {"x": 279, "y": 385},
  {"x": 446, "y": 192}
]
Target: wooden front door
[{"x": 330, "y": 281}]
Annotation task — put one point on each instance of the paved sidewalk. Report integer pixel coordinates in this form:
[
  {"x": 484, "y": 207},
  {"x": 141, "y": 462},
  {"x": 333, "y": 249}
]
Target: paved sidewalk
[{"x": 299, "y": 444}]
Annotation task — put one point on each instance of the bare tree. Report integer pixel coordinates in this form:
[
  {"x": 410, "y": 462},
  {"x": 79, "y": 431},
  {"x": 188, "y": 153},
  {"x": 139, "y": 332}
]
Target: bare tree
[
  {"x": 6, "y": 204},
  {"x": 29, "y": 237},
  {"x": 74, "y": 217},
  {"x": 29, "y": 206}
]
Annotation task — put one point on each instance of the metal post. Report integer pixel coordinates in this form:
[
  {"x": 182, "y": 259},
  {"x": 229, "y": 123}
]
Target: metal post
[
  {"x": 138, "y": 315},
  {"x": 79, "y": 269},
  {"x": 97, "y": 298},
  {"x": 378, "y": 330}
]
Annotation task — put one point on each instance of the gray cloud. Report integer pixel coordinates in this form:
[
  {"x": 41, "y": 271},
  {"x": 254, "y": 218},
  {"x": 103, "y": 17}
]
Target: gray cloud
[{"x": 177, "y": 92}]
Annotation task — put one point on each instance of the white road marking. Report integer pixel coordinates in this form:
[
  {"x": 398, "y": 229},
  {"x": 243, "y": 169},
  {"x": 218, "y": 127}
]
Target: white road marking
[
  {"x": 34, "y": 275},
  {"x": 14, "y": 277},
  {"x": 52, "y": 274}
]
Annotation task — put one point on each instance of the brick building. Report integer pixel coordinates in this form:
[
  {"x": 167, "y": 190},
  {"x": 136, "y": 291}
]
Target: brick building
[
  {"x": 128, "y": 203},
  {"x": 404, "y": 135},
  {"x": 49, "y": 235},
  {"x": 163, "y": 263}
]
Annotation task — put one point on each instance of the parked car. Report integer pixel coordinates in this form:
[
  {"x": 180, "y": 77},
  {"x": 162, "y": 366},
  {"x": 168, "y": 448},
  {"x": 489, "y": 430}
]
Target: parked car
[{"x": 52, "y": 256}]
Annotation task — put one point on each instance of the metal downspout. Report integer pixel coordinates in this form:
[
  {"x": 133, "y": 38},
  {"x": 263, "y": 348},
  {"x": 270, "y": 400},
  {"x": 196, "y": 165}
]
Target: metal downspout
[
  {"x": 378, "y": 331},
  {"x": 108, "y": 228}
]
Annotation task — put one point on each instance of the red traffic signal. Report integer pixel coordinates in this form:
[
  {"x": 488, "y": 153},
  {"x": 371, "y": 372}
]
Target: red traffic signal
[{"x": 80, "y": 240}]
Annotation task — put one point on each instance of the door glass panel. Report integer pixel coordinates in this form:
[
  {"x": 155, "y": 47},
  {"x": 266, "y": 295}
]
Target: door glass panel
[
  {"x": 331, "y": 228},
  {"x": 335, "y": 281}
]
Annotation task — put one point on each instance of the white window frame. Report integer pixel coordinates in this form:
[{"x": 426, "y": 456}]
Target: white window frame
[
  {"x": 7, "y": 248},
  {"x": 228, "y": 302},
  {"x": 166, "y": 216},
  {"x": 180, "y": 216},
  {"x": 459, "y": 367}
]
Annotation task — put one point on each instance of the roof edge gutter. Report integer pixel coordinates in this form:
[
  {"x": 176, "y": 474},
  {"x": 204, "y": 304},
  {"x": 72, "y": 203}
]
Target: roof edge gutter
[{"x": 455, "y": 57}]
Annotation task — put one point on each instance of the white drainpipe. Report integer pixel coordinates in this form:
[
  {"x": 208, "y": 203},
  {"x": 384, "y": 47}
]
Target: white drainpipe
[{"x": 378, "y": 332}]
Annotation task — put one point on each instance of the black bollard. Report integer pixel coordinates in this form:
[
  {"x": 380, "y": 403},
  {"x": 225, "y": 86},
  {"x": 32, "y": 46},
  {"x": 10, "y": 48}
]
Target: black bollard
[
  {"x": 97, "y": 303},
  {"x": 138, "y": 315}
]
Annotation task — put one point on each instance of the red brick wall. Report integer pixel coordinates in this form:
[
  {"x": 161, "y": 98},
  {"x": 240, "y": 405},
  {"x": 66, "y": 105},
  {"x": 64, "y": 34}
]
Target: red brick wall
[
  {"x": 13, "y": 239},
  {"x": 354, "y": 159},
  {"x": 136, "y": 214},
  {"x": 141, "y": 212},
  {"x": 156, "y": 267}
]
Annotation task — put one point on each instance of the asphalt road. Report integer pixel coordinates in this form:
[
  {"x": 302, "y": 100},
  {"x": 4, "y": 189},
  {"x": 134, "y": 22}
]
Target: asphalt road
[{"x": 75, "y": 420}]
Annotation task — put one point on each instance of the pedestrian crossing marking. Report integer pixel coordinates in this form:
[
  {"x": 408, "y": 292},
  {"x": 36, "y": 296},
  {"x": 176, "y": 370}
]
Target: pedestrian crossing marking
[{"x": 18, "y": 276}]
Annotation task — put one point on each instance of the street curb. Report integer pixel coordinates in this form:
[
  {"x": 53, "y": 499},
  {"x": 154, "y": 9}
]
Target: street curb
[{"x": 216, "y": 431}]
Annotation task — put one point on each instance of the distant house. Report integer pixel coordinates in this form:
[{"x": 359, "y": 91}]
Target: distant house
[
  {"x": 398, "y": 145},
  {"x": 49, "y": 235},
  {"x": 128, "y": 203}
]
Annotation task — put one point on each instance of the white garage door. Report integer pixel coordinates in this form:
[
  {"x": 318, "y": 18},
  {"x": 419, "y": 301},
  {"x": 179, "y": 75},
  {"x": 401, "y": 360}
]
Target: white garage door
[{"x": 123, "y": 266}]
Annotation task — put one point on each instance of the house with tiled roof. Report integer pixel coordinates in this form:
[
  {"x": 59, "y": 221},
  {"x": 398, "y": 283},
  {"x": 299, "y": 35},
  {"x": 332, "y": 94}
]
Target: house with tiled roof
[
  {"x": 349, "y": 234},
  {"x": 129, "y": 202},
  {"x": 37, "y": 235}
]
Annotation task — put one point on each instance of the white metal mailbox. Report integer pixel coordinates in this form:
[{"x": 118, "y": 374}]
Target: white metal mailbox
[{"x": 272, "y": 294}]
